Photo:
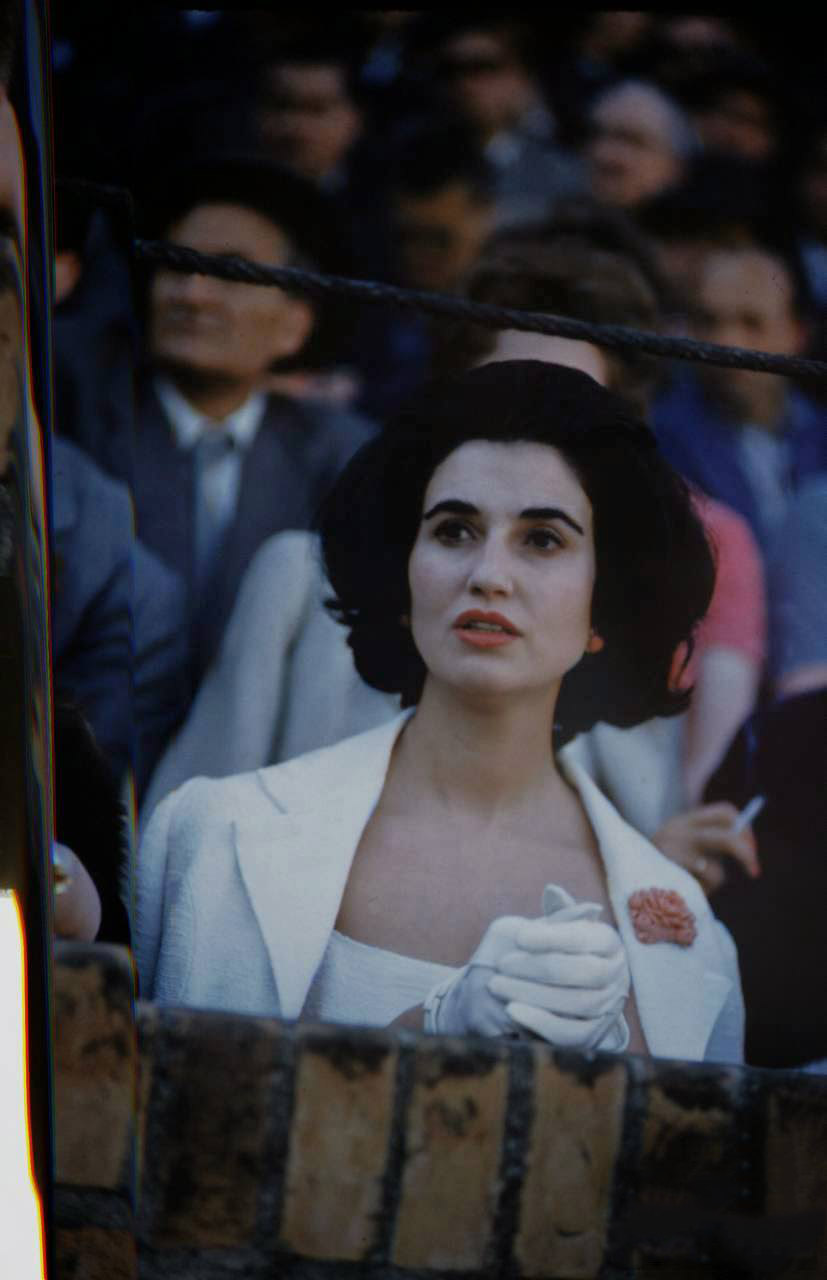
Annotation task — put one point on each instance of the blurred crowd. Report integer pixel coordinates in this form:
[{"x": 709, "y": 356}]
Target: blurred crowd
[{"x": 662, "y": 171}]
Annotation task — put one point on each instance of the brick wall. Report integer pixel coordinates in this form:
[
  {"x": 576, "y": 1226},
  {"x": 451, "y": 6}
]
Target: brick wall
[{"x": 266, "y": 1151}]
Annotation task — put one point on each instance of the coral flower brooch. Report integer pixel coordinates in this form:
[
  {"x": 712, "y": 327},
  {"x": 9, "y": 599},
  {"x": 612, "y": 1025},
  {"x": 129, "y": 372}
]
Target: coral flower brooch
[{"x": 661, "y": 915}]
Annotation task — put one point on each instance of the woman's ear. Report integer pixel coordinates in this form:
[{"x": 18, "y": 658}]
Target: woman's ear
[{"x": 596, "y": 642}]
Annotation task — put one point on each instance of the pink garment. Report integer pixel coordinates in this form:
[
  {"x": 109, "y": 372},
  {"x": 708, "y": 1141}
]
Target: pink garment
[{"x": 737, "y": 617}]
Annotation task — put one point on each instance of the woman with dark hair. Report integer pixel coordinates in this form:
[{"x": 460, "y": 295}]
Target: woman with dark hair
[{"x": 513, "y": 558}]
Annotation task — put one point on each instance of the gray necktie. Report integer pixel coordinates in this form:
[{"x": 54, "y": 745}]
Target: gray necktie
[{"x": 216, "y": 464}]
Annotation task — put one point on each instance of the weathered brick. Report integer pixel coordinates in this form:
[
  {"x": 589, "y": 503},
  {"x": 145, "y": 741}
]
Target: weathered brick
[
  {"x": 95, "y": 1066},
  {"x": 92, "y": 1253},
  {"x": 796, "y": 1173},
  {"x": 453, "y": 1139},
  {"x": 344, "y": 1088},
  {"x": 575, "y": 1135},
  {"x": 690, "y": 1171},
  {"x": 208, "y": 1128}
]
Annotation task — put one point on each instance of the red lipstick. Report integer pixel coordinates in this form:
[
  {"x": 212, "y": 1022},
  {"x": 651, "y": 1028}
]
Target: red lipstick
[{"x": 485, "y": 630}]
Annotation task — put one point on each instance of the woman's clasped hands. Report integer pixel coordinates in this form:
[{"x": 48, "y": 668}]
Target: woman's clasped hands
[{"x": 563, "y": 977}]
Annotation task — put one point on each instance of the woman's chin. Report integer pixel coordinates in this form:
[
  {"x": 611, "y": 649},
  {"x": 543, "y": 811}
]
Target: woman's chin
[{"x": 489, "y": 685}]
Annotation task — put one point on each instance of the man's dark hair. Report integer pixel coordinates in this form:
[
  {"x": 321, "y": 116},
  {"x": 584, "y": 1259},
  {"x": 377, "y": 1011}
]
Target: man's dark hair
[
  {"x": 434, "y": 30},
  {"x": 655, "y": 571},
  {"x": 338, "y": 48},
  {"x": 429, "y": 155},
  {"x": 586, "y": 264},
  {"x": 291, "y": 202}
]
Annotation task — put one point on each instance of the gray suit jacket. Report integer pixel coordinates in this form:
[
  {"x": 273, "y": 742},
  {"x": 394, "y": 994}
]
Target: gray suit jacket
[
  {"x": 293, "y": 461},
  {"x": 240, "y": 882}
]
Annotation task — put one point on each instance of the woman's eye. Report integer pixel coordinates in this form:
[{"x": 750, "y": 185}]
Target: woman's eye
[
  {"x": 452, "y": 532},
  {"x": 544, "y": 539}
]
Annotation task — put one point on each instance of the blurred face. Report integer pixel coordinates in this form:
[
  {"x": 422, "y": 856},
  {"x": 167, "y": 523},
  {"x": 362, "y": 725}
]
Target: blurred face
[
  {"x": 217, "y": 327},
  {"x": 630, "y": 157},
  {"x": 307, "y": 119},
  {"x": 745, "y": 299},
  {"x": 502, "y": 571},
  {"x": 740, "y": 122},
  {"x": 439, "y": 236},
  {"x": 484, "y": 80}
]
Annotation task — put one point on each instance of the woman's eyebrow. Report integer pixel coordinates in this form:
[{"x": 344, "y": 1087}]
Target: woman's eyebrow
[
  {"x": 550, "y": 513},
  {"x": 456, "y": 507}
]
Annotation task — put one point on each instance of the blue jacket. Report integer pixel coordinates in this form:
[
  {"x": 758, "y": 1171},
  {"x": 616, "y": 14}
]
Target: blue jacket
[
  {"x": 118, "y": 634},
  {"x": 702, "y": 444}
]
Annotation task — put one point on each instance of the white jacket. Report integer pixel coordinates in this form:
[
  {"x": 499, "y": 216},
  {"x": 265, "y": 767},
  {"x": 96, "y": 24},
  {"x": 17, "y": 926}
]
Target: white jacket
[{"x": 240, "y": 879}]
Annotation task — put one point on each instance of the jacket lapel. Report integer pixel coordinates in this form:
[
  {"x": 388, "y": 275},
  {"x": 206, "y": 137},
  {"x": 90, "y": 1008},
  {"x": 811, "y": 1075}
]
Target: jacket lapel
[
  {"x": 296, "y": 845},
  {"x": 295, "y": 867},
  {"x": 679, "y": 990}
]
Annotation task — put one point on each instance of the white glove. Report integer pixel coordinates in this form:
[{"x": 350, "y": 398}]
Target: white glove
[
  {"x": 567, "y": 980},
  {"x": 563, "y": 977},
  {"x": 462, "y": 1004}
]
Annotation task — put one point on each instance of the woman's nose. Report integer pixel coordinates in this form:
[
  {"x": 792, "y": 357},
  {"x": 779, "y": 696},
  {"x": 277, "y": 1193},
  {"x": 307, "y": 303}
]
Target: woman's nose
[{"x": 491, "y": 573}]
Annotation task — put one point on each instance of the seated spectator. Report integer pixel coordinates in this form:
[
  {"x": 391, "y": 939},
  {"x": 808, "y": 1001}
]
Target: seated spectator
[
  {"x": 283, "y": 892},
  {"x": 220, "y": 465},
  {"x": 441, "y": 211},
  {"x": 639, "y": 146},
  {"x": 587, "y": 263},
  {"x": 747, "y": 439},
  {"x": 782, "y": 756},
  {"x": 442, "y": 205},
  {"x": 310, "y": 116},
  {"x": 487, "y": 76},
  {"x": 722, "y": 203},
  {"x": 307, "y": 110},
  {"x": 735, "y": 106}
]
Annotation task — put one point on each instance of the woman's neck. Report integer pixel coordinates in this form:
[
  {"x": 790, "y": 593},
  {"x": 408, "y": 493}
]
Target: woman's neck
[{"x": 480, "y": 755}]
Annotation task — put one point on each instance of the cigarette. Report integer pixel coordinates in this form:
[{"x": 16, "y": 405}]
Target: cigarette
[{"x": 749, "y": 813}]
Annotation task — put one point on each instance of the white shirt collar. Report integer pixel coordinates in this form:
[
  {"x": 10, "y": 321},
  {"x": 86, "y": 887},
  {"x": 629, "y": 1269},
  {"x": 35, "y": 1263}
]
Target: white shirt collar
[{"x": 188, "y": 425}]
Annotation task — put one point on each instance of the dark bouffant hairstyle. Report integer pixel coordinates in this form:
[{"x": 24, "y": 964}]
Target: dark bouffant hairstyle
[{"x": 654, "y": 567}]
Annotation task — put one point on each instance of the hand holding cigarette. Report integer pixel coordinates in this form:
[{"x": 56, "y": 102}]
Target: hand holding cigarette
[
  {"x": 701, "y": 840},
  {"x": 749, "y": 813}
]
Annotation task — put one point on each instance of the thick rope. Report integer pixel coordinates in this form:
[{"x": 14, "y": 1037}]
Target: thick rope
[{"x": 615, "y": 337}]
